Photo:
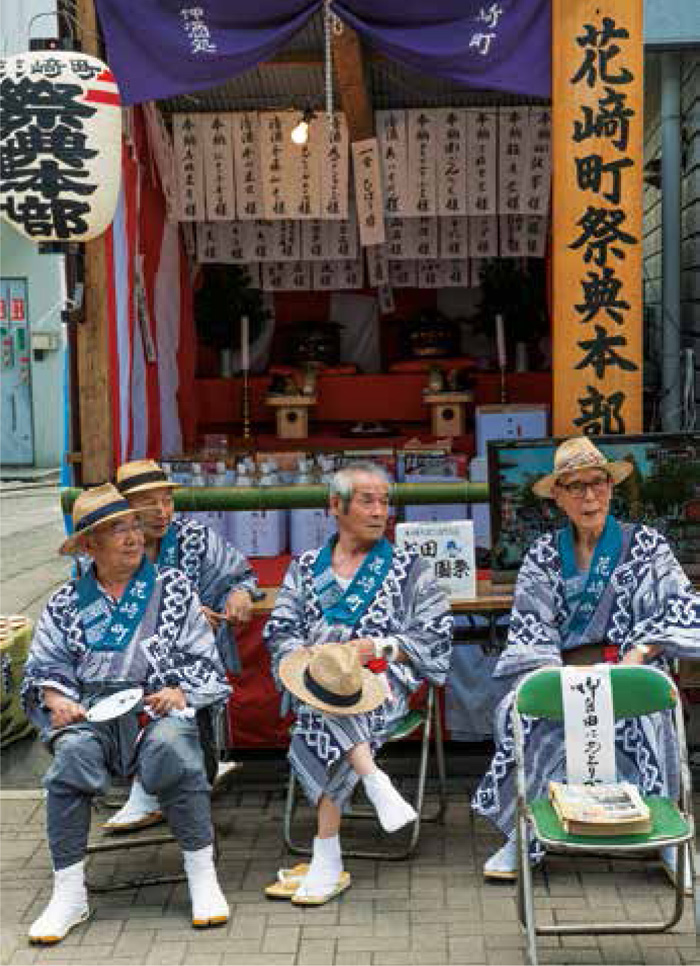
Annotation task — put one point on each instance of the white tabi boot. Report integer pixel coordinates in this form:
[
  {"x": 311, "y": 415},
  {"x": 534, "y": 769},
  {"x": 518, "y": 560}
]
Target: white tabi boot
[
  {"x": 67, "y": 907},
  {"x": 393, "y": 811},
  {"x": 140, "y": 811},
  {"x": 209, "y": 906}
]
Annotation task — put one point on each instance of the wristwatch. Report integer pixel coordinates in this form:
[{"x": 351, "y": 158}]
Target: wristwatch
[{"x": 644, "y": 650}]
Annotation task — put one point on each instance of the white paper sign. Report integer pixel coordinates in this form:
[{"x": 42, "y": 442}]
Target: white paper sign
[
  {"x": 272, "y": 276},
  {"x": 351, "y": 274},
  {"x": 280, "y": 162},
  {"x": 325, "y": 276},
  {"x": 449, "y": 547},
  {"x": 308, "y": 204},
  {"x": 296, "y": 276},
  {"x": 237, "y": 241},
  {"x": 536, "y": 229},
  {"x": 335, "y": 164},
  {"x": 454, "y": 237},
  {"x": 455, "y": 273},
  {"x": 538, "y": 171},
  {"x": 401, "y": 238},
  {"x": 285, "y": 240},
  {"x": 219, "y": 180},
  {"x": 451, "y": 131},
  {"x": 589, "y": 724},
  {"x": 513, "y": 158},
  {"x": 512, "y": 235},
  {"x": 189, "y": 167},
  {"x": 430, "y": 272},
  {"x": 313, "y": 242},
  {"x": 403, "y": 274},
  {"x": 483, "y": 237},
  {"x": 368, "y": 192},
  {"x": 482, "y": 126},
  {"x": 245, "y": 128},
  {"x": 426, "y": 238},
  {"x": 341, "y": 237},
  {"x": 393, "y": 147},
  {"x": 262, "y": 241},
  {"x": 422, "y": 151},
  {"x": 208, "y": 242}
]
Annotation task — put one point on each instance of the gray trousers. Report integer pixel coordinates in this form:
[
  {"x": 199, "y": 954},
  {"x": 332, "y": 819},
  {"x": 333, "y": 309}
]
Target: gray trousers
[{"x": 168, "y": 759}]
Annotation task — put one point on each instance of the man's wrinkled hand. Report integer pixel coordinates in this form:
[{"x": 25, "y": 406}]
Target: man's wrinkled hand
[
  {"x": 166, "y": 700},
  {"x": 239, "y": 607},
  {"x": 63, "y": 710}
]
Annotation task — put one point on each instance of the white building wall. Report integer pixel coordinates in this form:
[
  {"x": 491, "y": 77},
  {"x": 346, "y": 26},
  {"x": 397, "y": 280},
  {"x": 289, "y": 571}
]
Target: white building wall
[{"x": 19, "y": 259}]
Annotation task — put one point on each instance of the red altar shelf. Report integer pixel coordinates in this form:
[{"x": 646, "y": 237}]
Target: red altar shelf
[{"x": 394, "y": 397}]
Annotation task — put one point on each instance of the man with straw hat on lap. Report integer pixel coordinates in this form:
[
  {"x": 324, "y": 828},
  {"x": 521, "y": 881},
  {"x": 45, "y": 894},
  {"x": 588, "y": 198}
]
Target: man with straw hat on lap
[
  {"x": 118, "y": 632},
  {"x": 221, "y": 575},
  {"x": 357, "y": 626},
  {"x": 595, "y": 591}
]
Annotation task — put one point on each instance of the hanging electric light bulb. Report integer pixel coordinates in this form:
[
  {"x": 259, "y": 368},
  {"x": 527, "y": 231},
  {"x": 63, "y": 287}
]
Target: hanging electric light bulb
[{"x": 300, "y": 133}]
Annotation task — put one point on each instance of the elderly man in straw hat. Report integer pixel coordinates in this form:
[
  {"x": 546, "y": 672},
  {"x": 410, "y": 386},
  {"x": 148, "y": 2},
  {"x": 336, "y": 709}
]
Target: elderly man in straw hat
[
  {"x": 122, "y": 625},
  {"x": 385, "y": 610},
  {"x": 597, "y": 590},
  {"x": 222, "y": 577}
]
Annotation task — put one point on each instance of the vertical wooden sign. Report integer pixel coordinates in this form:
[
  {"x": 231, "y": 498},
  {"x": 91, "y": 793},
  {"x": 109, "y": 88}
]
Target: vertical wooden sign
[{"x": 597, "y": 119}]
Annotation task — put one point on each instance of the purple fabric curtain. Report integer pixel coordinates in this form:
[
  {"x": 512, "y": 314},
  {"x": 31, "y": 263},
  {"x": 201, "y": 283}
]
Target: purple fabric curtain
[
  {"x": 501, "y": 46},
  {"x": 161, "y": 48}
]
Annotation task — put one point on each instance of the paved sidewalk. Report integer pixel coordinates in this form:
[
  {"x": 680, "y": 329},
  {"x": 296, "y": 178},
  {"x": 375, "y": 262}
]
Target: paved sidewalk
[{"x": 433, "y": 909}]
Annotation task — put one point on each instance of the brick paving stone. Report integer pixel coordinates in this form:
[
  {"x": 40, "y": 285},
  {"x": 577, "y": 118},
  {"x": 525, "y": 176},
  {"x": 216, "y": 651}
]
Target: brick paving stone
[
  {"x": 375, "y": 944},
  {"x": 22, "y": 956},
  {"x": 281, "y": 940},
  {"x": 661, "y": 957},
  {"x": 316, "y": 952},
  {"x": 569, "y": 957},
  {"x": 360, "y": 912},
  {"x": 96, "y": 932},
  {"x": 391, "y": 924},
  {"x": 260, "y": 959},
  {"x": 620, "y": 949},
  {"x": 132, "y": 943},
  {"x": 213, "y": 959},
  {"x": 690, "y": 956},
  {"x": 167, "y": 952},
  {"x": 353, "y": 958}
]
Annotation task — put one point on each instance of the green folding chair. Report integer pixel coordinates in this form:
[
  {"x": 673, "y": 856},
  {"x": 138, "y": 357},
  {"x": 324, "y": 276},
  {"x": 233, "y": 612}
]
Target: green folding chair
[
  {"x": 427, "y": 718},
  {"x": 636, "y": 691}
]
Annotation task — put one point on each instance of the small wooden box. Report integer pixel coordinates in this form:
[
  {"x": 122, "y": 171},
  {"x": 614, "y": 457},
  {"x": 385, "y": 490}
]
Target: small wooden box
[
  {"x": 292, "y": 414},
  {"x": 448, "y": 412}
]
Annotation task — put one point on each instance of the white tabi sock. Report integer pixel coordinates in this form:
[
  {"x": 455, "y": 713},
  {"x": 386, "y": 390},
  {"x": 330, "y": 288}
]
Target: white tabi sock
[
  {"x": 392, "y": 808},
  {"x": 325, "y": 869}
]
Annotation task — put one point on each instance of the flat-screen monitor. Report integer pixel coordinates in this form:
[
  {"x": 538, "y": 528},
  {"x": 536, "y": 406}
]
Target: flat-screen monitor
[{"x": 663, "y": 491}]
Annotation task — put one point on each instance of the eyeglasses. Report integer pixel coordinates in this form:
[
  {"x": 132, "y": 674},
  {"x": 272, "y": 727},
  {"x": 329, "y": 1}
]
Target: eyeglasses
[
  {"x": 578, "y": 488},
  {"x": 124, "y": 529}
]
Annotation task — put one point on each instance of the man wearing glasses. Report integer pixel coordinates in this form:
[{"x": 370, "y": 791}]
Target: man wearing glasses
[
  {"x": 122, "y": 624},
  {"x": 595, "y": 591}
]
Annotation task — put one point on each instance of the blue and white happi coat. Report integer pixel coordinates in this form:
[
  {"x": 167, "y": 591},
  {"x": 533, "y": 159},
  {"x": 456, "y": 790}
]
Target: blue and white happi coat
[
  {"x": 213, "y": 564},
  {"x": 172, "y": 646},
  {"x": 647, "y": 600},
  {"x": 409, "y": 609}
]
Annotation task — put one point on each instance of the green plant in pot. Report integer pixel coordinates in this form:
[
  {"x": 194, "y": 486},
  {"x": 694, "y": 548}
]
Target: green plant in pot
[
  {"x": 518, "y": 294},
  {"x": 224, "y": 297}
]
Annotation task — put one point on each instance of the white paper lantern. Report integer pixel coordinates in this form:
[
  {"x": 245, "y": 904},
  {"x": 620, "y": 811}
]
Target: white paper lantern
[{"x": 60, "y": 148}]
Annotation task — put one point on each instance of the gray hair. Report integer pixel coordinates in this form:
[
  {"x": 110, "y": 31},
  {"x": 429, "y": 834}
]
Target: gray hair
[{"x": 342, "y": 482}]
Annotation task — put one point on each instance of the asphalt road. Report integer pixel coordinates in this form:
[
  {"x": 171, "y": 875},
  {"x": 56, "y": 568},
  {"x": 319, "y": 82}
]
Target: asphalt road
[{"x": 31, "y": 530}]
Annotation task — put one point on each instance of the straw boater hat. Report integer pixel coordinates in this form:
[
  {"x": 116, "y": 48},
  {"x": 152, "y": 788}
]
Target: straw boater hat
[
  {"x": 140, "y": 476},
  {"x": 579, "y": 453},
  {"x": 331, "y": 678},
  {"x": 98, "y": 505}
]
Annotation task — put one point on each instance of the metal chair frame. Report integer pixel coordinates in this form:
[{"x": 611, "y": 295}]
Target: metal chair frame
[
  {"x": 525, "y": 896},
  {"x": 431, "y": 724},
  {"x": 125, "y": 841}
]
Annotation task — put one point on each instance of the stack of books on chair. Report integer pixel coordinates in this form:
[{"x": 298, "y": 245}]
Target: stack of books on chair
[{"x": 611, "y": 809}]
